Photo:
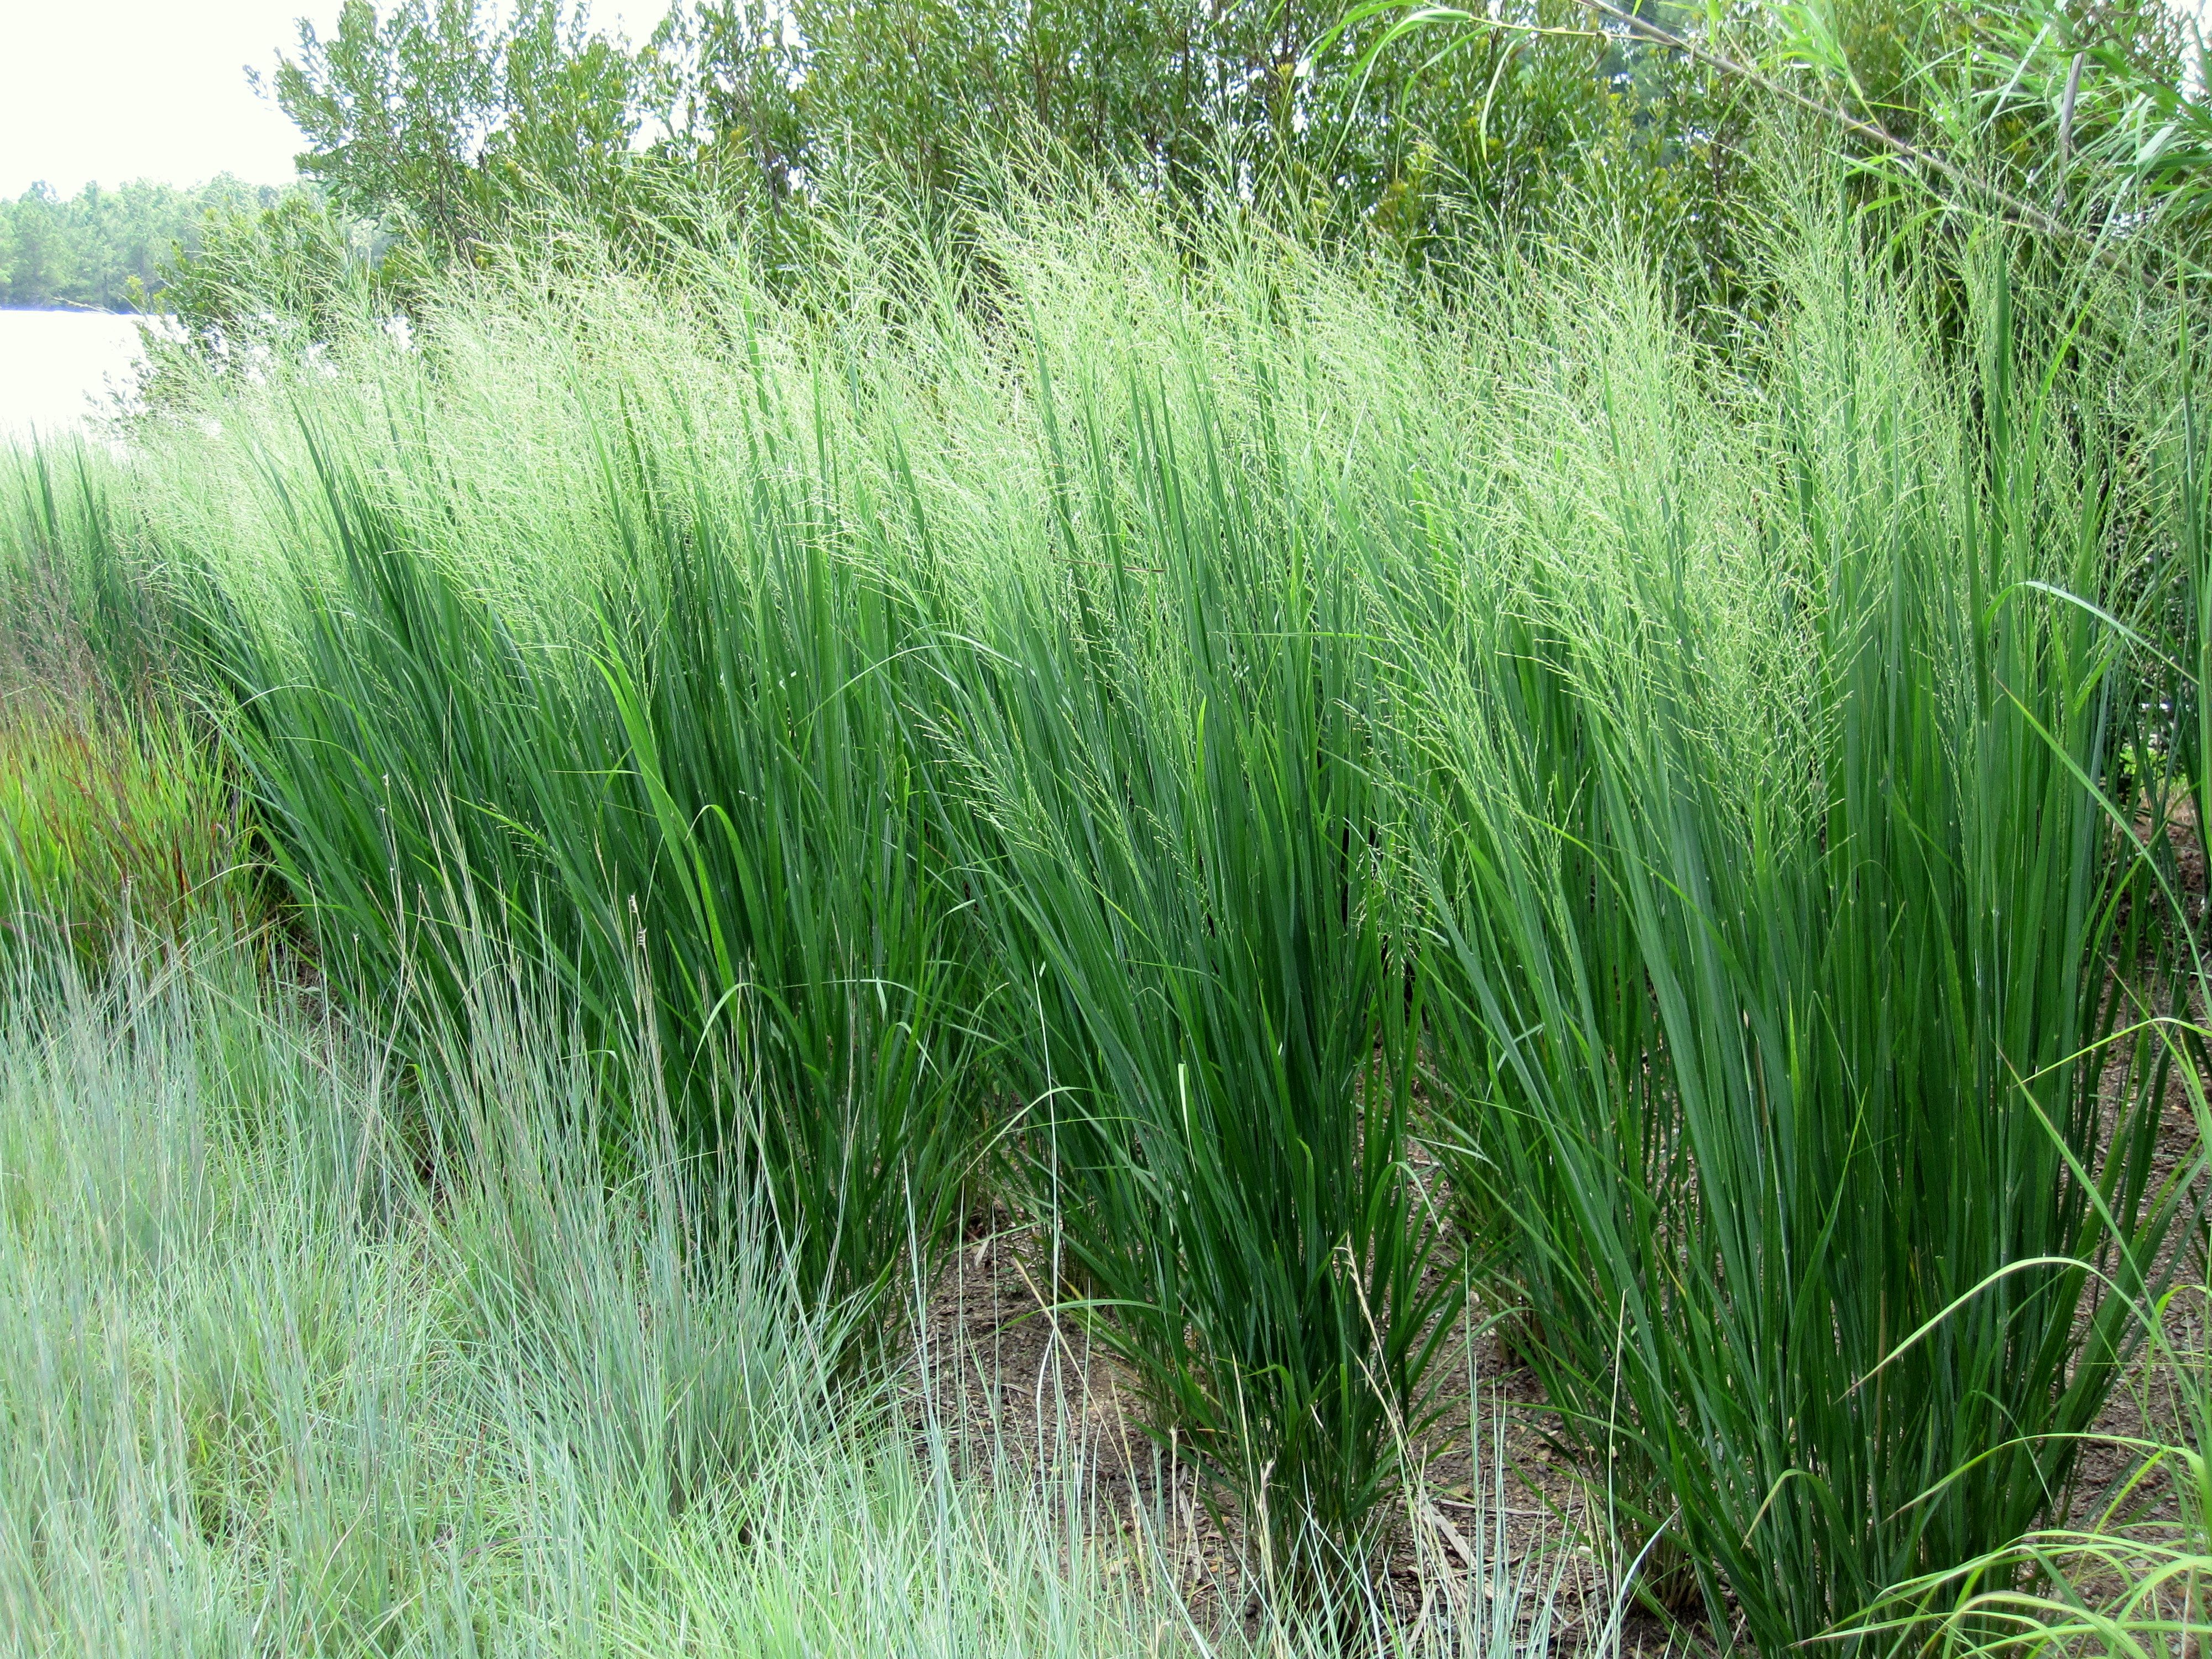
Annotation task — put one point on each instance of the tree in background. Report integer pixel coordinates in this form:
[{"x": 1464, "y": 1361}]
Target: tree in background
[
  {"x": 108, "y": 250},
  {"x": 447, "y": 118},
  {"x": 1165, "y": 92},
  {"x": 1401, "y": 127},
  {"x": 446, "y": 113}
]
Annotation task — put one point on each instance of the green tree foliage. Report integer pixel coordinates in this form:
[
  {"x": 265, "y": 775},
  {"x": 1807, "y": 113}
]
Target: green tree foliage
[
  {"x": 107, "y": 249},
  {"x": 2087, "y": 105},
  {"x": 445, "y": 112},
  {"x": 450, "y": 115},
  {"x": 1409, "y": 129}
]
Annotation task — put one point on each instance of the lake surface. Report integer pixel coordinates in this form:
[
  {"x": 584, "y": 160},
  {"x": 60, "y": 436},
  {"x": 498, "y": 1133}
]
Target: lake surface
[{"x": 58, "y": 368}]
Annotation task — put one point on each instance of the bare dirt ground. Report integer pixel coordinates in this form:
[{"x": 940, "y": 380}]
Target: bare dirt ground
[{"x": 1021, "y": 1388}]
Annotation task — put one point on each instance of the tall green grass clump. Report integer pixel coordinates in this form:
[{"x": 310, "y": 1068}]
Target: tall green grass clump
[
  {"x": 686, "y": 770},
  {"x": 1190, "y": 887},
  {"x": 1792, "y": 960}
]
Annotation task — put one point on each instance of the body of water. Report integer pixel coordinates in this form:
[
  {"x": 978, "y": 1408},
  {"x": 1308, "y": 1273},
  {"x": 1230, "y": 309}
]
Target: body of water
[{"x": 58, "y": 368}]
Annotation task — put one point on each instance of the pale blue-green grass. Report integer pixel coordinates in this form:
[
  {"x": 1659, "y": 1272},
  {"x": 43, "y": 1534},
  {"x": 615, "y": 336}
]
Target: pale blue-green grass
[{"x": 302, "y": 1356}]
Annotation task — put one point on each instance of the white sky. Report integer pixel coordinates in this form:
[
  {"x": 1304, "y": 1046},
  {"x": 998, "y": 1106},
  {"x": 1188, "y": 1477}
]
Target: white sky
[{"x": 110, "y": 90}]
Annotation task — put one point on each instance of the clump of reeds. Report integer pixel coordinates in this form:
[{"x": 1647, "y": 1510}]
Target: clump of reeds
[{"x": 1174, "y": 727}]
